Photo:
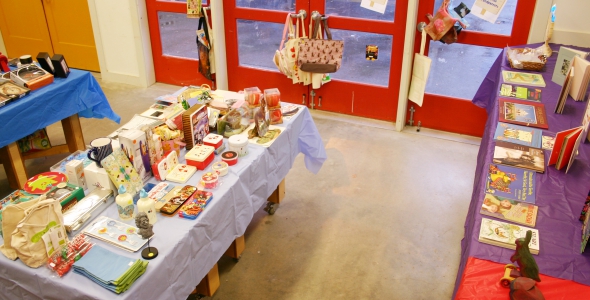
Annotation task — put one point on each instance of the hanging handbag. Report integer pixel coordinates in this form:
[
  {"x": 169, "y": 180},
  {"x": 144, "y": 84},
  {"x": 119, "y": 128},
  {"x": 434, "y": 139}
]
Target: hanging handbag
[
  {"x": 441, "y": 23},
  {"x": 317, "y": 55},
  {"x": 298, "y": 75},
  {"x": 204, "y": 47},
  {"x": 211, "y": 44},
  {"x": 420, "y": 74},
  {"x": 280, "y": 57}
]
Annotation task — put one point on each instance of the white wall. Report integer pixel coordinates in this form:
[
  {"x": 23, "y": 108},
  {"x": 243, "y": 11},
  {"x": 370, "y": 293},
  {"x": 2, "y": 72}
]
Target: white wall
[{"x": 572, "y": 22}]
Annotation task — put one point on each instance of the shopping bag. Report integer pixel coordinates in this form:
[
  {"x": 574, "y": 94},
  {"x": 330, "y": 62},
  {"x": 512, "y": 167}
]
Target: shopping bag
[
  {"x": 420, "y": 73},
  {"x": 317, "y": 55},
  {"x": 11, "y": 216},
  {"x": 204, "y": 47}
]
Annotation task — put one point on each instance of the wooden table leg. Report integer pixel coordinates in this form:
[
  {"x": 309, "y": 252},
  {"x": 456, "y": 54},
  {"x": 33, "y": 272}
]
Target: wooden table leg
[
  {"x": 236, "y": 248},
  {"x": 73, "y": 132},
  {"x": 210, "y": 283},
  {"x": 14, "y": 166},
  {"x": 275, "y": 198}
]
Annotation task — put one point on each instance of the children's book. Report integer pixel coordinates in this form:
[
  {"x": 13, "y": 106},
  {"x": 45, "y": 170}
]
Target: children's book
[
  {"x": 519, "y": 156},
  {"x": 512, "y": 183},
  {"x": 503, "y": 234},
  {"x": 566, "y": 144},
  {"x": 521, "y": 112},
  {"x": 564, "y": 61},
  {"x": 522, "y": 135},
  {"x": 581, "y": 69},
  {"x": 531, "y": 79},
  {"x": 564, "y": 93},
  {"x": 520, "y": 92},
  {"x": 509, "y": 210}
]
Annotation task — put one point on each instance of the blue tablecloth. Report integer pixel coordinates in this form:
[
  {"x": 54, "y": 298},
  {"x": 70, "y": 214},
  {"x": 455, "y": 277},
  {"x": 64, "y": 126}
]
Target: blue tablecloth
[
  {"x": 188, "y": 249},
  {"x": 79, "y": 93},
  {"x": 560, "y": 196}
]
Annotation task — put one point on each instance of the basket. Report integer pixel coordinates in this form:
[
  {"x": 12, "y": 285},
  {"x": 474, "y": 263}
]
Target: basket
[{"x": 526, "y": 65}]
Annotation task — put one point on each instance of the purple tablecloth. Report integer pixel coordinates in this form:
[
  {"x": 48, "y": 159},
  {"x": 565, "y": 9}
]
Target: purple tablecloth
[{"x": 560, "y": 196}]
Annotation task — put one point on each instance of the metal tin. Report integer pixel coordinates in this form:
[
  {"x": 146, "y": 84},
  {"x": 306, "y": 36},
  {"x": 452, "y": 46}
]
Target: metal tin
[
  {"x": 239, "y": 144},
  {"x": 87, "y": 209}
]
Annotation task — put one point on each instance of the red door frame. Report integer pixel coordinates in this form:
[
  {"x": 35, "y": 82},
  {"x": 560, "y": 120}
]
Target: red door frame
[
  {"x": 171, "y": 69},
  {"x": 337, "y": 96},
  {"x": 460, "y": 115}
]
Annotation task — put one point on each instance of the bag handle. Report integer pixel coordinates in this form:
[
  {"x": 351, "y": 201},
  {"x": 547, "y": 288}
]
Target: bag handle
[
  {"x": 423, "y": 42},
  {"x": 326, "y": 28},
  {"x": 39, "y": 204},
  {"x": 287, "y": 26}
]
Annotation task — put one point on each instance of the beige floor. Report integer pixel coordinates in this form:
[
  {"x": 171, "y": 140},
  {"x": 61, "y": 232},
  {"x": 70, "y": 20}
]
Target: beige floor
[{"x": 383, "y": 219}]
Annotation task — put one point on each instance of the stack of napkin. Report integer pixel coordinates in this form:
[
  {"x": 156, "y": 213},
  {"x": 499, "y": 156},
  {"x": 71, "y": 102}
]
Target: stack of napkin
[{"x": 112, "y": 271}]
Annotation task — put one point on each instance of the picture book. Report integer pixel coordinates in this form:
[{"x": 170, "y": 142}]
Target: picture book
[
  {"x": 522, "y": 113},
  {"x": 548, "y": 142},
  {"x": 581, "y": 69},
  {"x": 509, "y": 210},
  {"x": 531, "y": 79},
  {"x": 520, "y": 92},
  {"x": 566, "y": 143},
  {"x": 564, "y": 93},
  {"x": 512, "y": 183},
  {"x": 563, "y": 63},
  {"x": 519, "y": 156},
  {"x": 518, "y": 134},
  {"x": 503, "y": 234},
  {"x": 195, "y": 122}
]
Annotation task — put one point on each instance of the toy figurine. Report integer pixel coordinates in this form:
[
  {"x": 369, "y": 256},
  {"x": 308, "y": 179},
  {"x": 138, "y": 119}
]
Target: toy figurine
[
  {"x": 145, "y": 230},
  {"x": 523, "y": 288},
  {"x": 524, "y": 259}
]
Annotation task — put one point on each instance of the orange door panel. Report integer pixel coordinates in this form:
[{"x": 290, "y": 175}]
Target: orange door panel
[{"x": 24, "y": 30}]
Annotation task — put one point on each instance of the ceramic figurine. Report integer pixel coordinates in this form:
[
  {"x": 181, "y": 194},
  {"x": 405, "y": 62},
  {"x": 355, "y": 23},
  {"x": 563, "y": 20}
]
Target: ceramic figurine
[
  {"x": 524, "y": 259},
  {"x": 145, "y": 230}
]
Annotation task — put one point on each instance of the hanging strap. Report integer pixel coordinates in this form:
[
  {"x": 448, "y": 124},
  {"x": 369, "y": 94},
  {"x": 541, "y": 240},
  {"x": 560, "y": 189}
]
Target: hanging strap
[
  {"x": 326, "y": 28},
  {"x": 423, "y": 42},
  {"x": 303, "y": 34},
  {"x": 202, "y": 21},
  {"x": 288, "y": 26}
]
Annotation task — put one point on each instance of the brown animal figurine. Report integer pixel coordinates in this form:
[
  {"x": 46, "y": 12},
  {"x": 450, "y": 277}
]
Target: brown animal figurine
[{"x": 524, "y": 259}]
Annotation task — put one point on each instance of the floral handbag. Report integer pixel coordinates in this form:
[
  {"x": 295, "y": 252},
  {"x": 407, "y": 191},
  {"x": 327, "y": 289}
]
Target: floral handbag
[
  {"x": 441, "y": 23},
  {"x": 317, "y": 55}
]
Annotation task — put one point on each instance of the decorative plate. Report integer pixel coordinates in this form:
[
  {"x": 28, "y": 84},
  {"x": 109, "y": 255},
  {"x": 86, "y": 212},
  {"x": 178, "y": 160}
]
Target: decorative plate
[{"x": 42, "y": 183}]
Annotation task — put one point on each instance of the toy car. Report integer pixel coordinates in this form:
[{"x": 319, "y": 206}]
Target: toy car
[{"x": 510, "y": 273}]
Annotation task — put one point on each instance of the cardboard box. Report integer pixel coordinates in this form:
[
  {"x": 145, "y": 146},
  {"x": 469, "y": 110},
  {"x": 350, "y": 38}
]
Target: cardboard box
[
  {"x": 134, "y": 145},
  {"x": 98, "y": 178},
  {"x": 75, "y": 172}
]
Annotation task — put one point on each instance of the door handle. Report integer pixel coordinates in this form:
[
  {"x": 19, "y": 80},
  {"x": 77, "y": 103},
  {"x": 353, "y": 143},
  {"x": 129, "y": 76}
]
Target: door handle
[
  {"x": 304, "y": 102},
  {"x": 320, "y": 101},
  {"x": 301, "y": 14},
  {"x": 312, "y": 104}
]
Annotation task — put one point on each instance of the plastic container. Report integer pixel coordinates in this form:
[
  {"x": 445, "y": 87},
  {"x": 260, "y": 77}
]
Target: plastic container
[
  {"x": 276, "y": 115},
  {"x": 272, "y": 97},
  {"x": 210, "y": 180},
  {"x": 252, "y": 95},
  {"x": 213, "y": 140},
  {"x": 239, "y": 144},
  {"x": 230, "y": 157},
  {"x": 200, "y": 156},
  {"x": 220, "y": 167}
]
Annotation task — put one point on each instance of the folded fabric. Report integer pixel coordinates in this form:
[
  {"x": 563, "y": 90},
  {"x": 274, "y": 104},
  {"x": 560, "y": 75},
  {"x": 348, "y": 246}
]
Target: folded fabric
[{"x": 110, "y": 270}]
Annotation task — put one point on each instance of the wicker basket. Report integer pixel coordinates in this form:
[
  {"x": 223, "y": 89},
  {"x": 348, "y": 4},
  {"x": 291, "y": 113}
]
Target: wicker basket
[{"x": 527, "y": 65}]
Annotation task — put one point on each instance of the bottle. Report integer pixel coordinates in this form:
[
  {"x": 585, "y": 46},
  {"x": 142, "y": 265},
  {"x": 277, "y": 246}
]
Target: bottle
[
  {"x": 148, "y": 206},
  {"x": 125, "y": 204}
]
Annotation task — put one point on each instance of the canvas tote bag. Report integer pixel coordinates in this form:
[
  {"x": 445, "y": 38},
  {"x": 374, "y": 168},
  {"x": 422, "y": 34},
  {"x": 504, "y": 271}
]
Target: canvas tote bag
[
  {"x": 27, "y": 238},
  {"x": 280, "y": 58},
  {"x": 318, "y": 55},
  {"x": 299, "y": 76},
  {"x": 211, "y": 44},
  {"x": 420, "y": 73},
  {"x": 11, "y": 216},
  {"x": 204, "y": 47}
]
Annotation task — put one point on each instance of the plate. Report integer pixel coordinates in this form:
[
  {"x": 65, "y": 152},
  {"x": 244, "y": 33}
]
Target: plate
[{"x": 43, "y": 182}]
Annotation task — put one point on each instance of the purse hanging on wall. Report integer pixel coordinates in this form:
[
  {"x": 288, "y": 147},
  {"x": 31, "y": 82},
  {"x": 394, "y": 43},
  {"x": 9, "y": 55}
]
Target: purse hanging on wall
[
  {"x": 441, "y": 23},
  {"x": 204, "y": 47},
  {"x": 317, "y": 55}
]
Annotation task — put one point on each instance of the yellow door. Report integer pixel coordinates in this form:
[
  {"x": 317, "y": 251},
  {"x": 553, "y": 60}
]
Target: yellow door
[
  {"x": 71, "y": 32},
  {"x": 23, "y": 27}
]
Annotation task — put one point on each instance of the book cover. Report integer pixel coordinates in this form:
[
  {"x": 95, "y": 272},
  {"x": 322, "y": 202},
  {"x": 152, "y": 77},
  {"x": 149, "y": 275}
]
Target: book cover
[
  {"x": 581, "y": 69},
  {"x": 564, "y": 147},
  {"x": 509, "y": 210},
  {"x": 531, "y": 79},
  {"x": 195, "y": 122},
  {"x": 563, "y": 63},
  {"x": 565, "y": 90},
  {"x": 574, "y": 152},
  {"x": 519, "y": 156},
  {"x": 522, "y": 113},
  {"x": 521, "y": 92},
  {"x": 518, "y": 134},
  {"x": 513, "y": 183},
  {"x": 503, "y": 234}
]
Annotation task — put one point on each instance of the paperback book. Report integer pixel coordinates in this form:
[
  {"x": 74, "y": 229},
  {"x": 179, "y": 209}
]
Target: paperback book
[
  {"x": 524, "y": 113},
  {"x": 563, "y": 63},
  {"x": 504, "y": 234},
  {"x": 521, "y": 135},
  {"x": 520, "y": 92},
  {"x": 566, "y": 145},
  {"x": 580, "y": 78},
  {"x": 512, "y": 183},
  {"x": 531, "y": 79},
  {"x": 519, "y": 156},
  {"x": 509, "y": 210}
]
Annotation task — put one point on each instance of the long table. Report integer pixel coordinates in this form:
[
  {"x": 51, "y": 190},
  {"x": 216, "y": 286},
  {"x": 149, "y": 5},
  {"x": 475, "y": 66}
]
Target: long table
[
  {"x": 188, "y": 249},
  {"x": 65, "y": 100},
  {"x": 560, "y": 196}
]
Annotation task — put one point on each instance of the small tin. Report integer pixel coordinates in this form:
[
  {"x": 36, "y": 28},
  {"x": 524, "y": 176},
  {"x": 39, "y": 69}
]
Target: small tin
[
  {"x": 213, "y": 140},
  {"x": 272, "y": 97},
  {"x": 239, "y": 144},
  {"x": 210, "y": 180},
  {"x": 220, "y": 167},
  {"x": 230, "y": 157},
  {"x": 200, "y": 156}
]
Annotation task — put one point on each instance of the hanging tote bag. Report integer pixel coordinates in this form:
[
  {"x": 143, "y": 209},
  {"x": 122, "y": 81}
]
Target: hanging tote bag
[
  {"x": 441, "y": 23},
  {"x": 211, "y": 44},
  {"x": 204, "y": 46},
  {"x": 419, "y": 74},
  {"x": 318, "y": 55},
  {"x": 298, "y": 76},
  {"x": 280, "y": 58},
  {"x": 11, "y": 216},
  {"x": 27, "y": 238}
]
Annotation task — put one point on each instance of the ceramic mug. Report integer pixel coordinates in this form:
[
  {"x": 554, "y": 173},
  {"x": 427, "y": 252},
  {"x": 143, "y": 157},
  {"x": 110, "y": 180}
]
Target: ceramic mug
[{"x": 101, "y": 148}]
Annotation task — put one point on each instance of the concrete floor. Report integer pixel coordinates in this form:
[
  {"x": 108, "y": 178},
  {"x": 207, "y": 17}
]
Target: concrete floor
[{"x": 383, "y": 219}]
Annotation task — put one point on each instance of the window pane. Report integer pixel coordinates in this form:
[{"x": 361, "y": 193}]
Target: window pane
[
  {"x": 257, "y": 43},
  {"x": 352, "y": 8},
  {"x": 502, "y": 26},
  {"x": 284, "y": 5},
  {"x": 354, "y": 66},
  {"x": 177, "y": 33},
  {"x": 457, "y": 70}
]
